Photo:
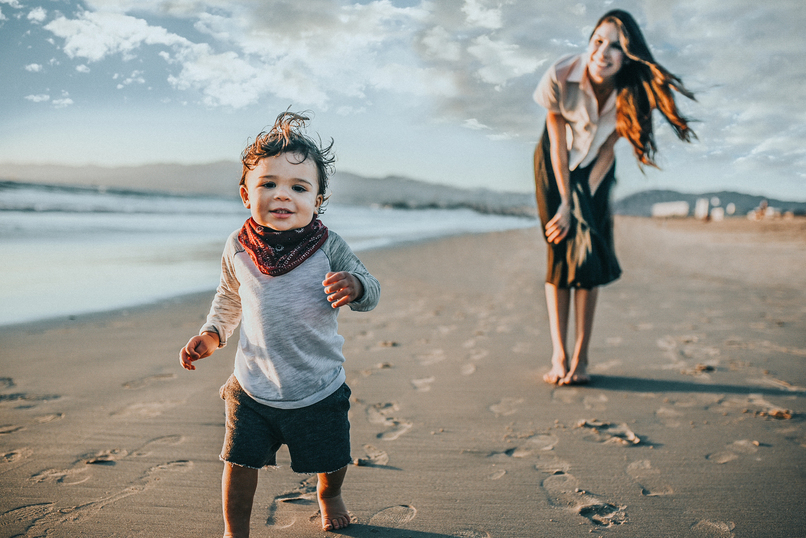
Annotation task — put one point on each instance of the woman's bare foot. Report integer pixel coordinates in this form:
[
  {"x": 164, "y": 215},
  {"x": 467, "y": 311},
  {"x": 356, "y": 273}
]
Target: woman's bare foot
[
  {"x": 577, "y": 375},
  {"x": 557, "y": 372},
  {"x": 334, "y": 513}
]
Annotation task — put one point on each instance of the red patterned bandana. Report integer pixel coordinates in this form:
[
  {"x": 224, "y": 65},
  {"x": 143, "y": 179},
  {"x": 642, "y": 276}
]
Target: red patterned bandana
[{"x": 277, "y": 253}]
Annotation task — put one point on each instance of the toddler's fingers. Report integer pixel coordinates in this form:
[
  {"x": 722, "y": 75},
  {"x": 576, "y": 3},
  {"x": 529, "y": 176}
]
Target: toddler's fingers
[{"x": 185, "y": 360}]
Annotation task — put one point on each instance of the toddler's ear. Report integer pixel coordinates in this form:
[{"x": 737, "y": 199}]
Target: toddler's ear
[
  {"x": 245, "y": 196},
  {"x": 319, "y": 201}
]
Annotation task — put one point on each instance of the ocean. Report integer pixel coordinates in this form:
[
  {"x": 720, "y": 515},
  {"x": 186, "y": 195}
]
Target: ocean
[{"x": 66, "y": 251}]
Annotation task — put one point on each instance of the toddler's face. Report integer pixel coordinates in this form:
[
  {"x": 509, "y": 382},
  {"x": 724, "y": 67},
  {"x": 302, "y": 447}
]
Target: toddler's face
[{"x": 281, "y": 192}]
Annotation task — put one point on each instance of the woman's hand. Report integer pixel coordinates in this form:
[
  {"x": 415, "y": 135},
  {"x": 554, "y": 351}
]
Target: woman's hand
[{"x": 559, "y": 226}]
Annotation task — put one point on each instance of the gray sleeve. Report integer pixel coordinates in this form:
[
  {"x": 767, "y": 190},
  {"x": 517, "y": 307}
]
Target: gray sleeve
[
  {"x": 225, "y": 312},
  {"x": 342, "y": 258}
]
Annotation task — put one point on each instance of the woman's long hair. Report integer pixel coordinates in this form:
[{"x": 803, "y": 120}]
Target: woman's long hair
[{"x": 643, "y": 85}]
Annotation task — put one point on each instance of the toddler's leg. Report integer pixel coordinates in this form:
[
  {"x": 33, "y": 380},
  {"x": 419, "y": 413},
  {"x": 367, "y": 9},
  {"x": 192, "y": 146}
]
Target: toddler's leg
[
  {"x": 238, "y": 487},
  {"x": 328, "y": 491}
]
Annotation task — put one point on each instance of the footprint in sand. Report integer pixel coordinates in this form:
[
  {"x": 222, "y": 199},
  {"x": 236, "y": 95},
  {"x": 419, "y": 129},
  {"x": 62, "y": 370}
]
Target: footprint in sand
[
  {"x": 423, "y": 384},
  {"x": 381, "y": 414},
  {"x": 50, "y": 522},
  {"x": 293, "y": 505},
  {"x": 143, "y": 381},
  {"x": 10, "y": 428},
  {"x": 67, "y": 477},
  {"x": 563, "y": 491},
  {"x": 506, "y": 407},
  {"x": 605, "y": 432},
  {"x": 432, "y": 357},
  {"x": 393, "y": 516},
  {"x": 595, "y": 402},
  {"x": 6, "y": 382},
  {"x": 733, "y": 451},
  {"x": 44, "y": 419},
  {"x": 16, "y": 522},
  {"x": 649, "y": 478},
  {"x": 147, "y": 409},
  {"x": 497, "y": 474},
  {"x": 713, "y": 529},
  {"x": 544, "y": 441},
  {"x": 165, "y": 440},
  {"x": 374, "y": 458},
  {"x": 16, "y": 455},
  {"x": 105, "y": 457},
  {"x": 551, "y": 464},
  {"x": 468, "y": 369},
  {"x": 669, "y": 416},
  {"x": 471, "y": 534}
]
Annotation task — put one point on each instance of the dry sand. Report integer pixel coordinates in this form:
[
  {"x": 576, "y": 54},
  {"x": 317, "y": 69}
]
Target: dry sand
[{"x": 693, "y": 426}]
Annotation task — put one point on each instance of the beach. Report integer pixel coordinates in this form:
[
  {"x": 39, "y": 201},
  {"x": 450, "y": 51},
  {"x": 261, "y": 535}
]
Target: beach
[{"x": 693, "y": 424}]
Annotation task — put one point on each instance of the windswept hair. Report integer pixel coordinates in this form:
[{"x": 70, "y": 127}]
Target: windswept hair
[
  {"x": 643, "y": 85},
  {"x": 287, "y": 135}
]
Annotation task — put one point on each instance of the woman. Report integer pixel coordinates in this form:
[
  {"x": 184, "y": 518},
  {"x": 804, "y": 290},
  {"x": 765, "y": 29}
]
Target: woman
[{"x": 593, "y": 99}]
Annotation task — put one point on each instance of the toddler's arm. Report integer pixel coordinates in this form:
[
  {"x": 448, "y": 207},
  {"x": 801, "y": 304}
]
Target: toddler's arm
[
  {"x": 342, "y": 288},
  {"x": 198, "y": 347}
]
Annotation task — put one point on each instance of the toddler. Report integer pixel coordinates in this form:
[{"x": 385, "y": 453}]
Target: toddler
[{"x": 283, "y": 277}]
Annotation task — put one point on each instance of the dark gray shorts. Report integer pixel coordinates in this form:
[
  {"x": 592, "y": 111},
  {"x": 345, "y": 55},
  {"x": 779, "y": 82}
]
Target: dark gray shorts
[{"x": 317, "y": 436}]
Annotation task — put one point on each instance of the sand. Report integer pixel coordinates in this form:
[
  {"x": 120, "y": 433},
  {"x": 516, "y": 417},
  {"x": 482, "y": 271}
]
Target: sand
[{"x": 693, "y": 425}]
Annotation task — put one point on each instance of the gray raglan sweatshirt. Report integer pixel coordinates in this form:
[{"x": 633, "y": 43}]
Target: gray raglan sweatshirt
[{"x": 290, "y": 352}]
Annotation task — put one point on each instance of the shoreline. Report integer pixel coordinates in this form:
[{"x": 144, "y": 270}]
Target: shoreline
[{"x": 456, "y": 435}]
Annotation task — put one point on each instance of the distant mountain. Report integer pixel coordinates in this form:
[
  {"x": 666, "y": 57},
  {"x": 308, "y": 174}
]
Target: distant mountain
[
  {"x": 640, "y": 204},
  {"x": 221, "y": 179}
]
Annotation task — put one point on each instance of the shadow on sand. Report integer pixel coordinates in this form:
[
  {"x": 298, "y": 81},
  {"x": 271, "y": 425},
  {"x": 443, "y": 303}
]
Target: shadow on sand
[
  {"x": 359, "y": 530},
  {"x": 638, "y": 384}
]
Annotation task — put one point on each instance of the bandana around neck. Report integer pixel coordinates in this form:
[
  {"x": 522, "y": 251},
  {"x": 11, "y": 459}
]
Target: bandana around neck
[{"x": 276, "y": 253}]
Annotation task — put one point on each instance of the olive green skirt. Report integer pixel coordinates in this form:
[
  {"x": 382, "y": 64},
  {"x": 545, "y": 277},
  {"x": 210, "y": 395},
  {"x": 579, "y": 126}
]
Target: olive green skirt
[{"x": 586, "y": 258}]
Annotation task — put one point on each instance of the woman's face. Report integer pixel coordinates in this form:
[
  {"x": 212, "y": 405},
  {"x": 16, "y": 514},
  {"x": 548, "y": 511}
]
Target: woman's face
[{"x": 605, "y": 56}]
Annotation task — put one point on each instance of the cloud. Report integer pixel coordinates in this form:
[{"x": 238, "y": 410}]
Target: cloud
[
  {"x": 63, "y": 102},
  {"x": 501, "y": 61},
  {"x": 95, "y": 35},
  {"x": 37, "y": 15},
  {"x": 474, "y": 124},
  {"x": 463, "y": 59},
  {"x": 12, "y": 3},
  {"x": 478, "y": 15},
  {"x": 33, "y": 68},
  {"x": 83, "y": 68},
  {"x": 39, "y": 98}
]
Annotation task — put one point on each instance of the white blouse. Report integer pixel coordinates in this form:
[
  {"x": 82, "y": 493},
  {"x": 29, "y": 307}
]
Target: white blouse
[{"x": 566, "y": 89}]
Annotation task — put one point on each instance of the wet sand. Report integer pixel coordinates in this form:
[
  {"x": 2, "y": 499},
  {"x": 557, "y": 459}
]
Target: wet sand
[{"x": 693, "y": 425}]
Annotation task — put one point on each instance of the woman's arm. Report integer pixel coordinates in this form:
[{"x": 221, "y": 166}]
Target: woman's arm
[
  {"x": 604, "y": 161},
  {"x": 557, "y": 228}
]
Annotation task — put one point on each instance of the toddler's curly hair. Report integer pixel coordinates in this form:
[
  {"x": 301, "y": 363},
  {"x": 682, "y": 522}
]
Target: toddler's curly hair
[{"x": 287, "y": 135}]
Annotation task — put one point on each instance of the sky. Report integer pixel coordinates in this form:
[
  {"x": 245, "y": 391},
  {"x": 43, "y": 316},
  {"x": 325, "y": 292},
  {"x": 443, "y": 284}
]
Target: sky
[{"x": 437, "y": 90}]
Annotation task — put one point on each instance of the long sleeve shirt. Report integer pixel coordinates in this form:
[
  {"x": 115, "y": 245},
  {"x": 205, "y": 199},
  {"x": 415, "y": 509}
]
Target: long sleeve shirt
[{"x": 289, "y": 352}]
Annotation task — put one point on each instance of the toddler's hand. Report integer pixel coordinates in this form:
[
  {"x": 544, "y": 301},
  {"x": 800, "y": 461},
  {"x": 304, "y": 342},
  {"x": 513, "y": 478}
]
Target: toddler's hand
[
  {"x": 342, "y": 288},
  {"x": 197, "y": 348}
]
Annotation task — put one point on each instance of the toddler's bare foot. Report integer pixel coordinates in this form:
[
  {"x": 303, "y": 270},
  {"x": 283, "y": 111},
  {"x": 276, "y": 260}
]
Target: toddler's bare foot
[
  {"x": 334, "y": 513},
  {"x": 557, "y": 372}
]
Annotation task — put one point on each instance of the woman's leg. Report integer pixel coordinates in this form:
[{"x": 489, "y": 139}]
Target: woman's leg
[
  {"x": 558, "y": 302},
  {"x": 238, "y": 487},
  {"x": 584, "y": 308}
]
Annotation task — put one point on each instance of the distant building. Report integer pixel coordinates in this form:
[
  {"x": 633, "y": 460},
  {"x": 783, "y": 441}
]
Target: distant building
[
  {"x": 670, "y": 209},
  {"x": 701, "y": 209}
]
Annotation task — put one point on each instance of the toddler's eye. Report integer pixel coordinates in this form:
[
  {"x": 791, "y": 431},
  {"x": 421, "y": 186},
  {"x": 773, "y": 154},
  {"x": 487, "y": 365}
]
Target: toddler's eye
[
  {"x": 300, "y": 188},
  {"x": 270, "y": 184}
]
